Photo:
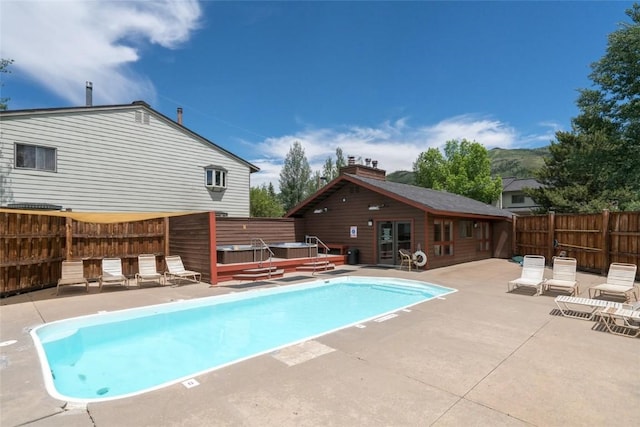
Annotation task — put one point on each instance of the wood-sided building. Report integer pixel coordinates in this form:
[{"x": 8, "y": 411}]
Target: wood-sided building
[
  {"x": 116, "y": 158},
  {"x": 374, "y": 218}
]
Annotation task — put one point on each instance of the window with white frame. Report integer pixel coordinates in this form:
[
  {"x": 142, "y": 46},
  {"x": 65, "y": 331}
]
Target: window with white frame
[
  {"x": 35, "y": 157},
  {"x": 215, "y": 178}
]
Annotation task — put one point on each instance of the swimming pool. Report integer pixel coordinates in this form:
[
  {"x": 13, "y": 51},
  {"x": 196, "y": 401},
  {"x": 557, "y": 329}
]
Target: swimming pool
[{"x": 118, "y": 354}]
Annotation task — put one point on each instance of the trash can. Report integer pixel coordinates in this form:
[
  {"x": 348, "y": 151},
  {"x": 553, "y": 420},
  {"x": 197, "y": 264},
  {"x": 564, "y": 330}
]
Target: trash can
[{"x": 352, "y": 256}]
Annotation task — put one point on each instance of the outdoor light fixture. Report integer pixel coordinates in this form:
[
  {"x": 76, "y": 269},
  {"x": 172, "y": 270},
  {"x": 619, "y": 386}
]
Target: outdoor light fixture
[
  {"x": 320, "y": 210},
  {"x": 376, "y": 207},
  {"x": 370, "y": 223}
]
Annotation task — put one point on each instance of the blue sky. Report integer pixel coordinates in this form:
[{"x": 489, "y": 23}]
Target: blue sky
[{"x": 383, "y": 80}]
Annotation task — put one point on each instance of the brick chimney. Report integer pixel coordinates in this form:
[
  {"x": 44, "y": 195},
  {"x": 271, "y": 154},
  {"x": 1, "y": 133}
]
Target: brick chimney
[
  {"x": 365, "y": 171},
  {"x": 89, "y": 94}
]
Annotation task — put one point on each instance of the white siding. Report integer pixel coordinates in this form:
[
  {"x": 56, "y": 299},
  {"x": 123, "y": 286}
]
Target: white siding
[{"x": 106, "y": 161}]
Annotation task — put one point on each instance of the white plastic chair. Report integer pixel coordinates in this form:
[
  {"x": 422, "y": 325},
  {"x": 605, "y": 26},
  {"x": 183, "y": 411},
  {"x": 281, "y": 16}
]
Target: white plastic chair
[
  {"x": 564, "y": 275},
  {"x": 112, "y": 273},
  {"x": 532, "y": 274},
  {"x": 620, "y": 282}
]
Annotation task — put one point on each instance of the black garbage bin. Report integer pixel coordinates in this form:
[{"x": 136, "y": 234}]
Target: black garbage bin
[{"x": 352, "y": 256}]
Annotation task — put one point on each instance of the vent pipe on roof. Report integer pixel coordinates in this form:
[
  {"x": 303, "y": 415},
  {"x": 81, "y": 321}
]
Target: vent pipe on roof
[
  {"x": 375, "y": 164},
  {"x": 179, "y": 115},
  {"x": 89, "y": 94},
  {"x": 367, "y": 161},
  {"x": 351, "y": 160}
]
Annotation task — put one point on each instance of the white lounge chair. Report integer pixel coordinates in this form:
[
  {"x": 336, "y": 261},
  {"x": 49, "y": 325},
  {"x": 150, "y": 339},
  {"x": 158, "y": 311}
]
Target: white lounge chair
[
  {"x": 564, "y": 276},
  {"x": 532, "y": 274},
  {"x": 112, "y": 273},
  {"x": 623, "y": 321},
  {"x": 620, "y": 282},
  {"x": 147, "y": 270},
  {"x": 567, "y": 305},
  {"x": 175, "y": 269},
  {"x": 72, "y": 274}
]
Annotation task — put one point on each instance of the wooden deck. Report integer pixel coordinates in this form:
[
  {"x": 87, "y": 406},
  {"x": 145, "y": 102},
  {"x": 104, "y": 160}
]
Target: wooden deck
[{"x": 228, "y": 271}]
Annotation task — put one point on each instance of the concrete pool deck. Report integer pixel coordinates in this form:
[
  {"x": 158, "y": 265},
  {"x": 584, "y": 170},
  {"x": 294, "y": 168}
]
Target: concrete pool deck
[{"x": 481, "y": 356}]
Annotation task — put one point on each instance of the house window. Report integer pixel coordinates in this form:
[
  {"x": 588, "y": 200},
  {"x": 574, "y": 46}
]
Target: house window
[
  {"x": 517, "y": 198},
  {"x": 484, "y": 241},
  {"x": 442, "y": 237},
  {"x": 35, "y": 157},
  {"x": 466, "y": 229},
  {"x": 215, "y": 178}
]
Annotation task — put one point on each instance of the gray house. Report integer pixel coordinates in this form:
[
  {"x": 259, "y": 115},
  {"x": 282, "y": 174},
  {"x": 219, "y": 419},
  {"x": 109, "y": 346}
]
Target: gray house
[
  {"x": 513, "y": 197},
  {"x": 116, "y": 158}
]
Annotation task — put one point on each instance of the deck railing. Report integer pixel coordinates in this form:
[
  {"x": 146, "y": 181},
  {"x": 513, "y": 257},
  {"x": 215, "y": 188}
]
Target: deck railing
[
  {"x": 314, "y": 240},
  {"x": 260, "y": 247}
]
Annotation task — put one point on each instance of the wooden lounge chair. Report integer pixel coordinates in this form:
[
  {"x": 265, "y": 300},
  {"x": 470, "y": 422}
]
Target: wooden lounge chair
[
  {"x": 620, "y": 282},
  {"x": 112, "y": 273},
  {"x": 72, "y": 274},
  {"x": 564, "y": 276},
  {"x": 623, "y": 321},
  {"x": 568, "y": 304},
  {"x": 532, "y": 274},
  {"x": 147, "y": 270},
  {"x": 175, "y": 269}
]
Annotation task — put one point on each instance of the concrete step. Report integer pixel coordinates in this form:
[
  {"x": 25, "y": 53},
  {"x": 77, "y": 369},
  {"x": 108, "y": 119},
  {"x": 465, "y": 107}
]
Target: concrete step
[
  {"x": 252, "y": 274},
  {"x": 316, "y": 266}
]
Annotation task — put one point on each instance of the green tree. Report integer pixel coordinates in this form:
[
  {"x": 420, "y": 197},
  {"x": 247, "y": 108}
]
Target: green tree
[
  {"x": 4, "y": 68},
  {"x": 295, "y": 177},
  {"x": 463, "y": 169},
  {"x": 264, "y": 202},
  {"x": 595, "y": 166},
  {"x": 330, "y": 170}
]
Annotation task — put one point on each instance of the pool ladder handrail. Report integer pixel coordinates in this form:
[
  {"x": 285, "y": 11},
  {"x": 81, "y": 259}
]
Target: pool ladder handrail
[
  {"x": 259, "y": 245},
  {"x": 311, "y": 240}
]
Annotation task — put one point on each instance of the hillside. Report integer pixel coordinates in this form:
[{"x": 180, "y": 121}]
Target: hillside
[{"x": 517, "y": 162}]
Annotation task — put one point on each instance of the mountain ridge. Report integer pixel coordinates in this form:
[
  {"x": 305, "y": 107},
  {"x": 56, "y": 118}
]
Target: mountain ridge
[{"x": 505, "y": 162}]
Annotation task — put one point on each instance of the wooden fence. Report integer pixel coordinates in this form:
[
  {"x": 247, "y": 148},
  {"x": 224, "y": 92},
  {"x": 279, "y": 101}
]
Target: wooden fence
[
  {"x": 33, "y": 246},
  {"x": 595, "y": 240}
]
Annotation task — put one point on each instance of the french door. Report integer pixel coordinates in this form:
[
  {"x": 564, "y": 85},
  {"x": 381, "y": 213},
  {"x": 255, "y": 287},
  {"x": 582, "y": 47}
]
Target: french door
[{"x": 392, "y": 235}]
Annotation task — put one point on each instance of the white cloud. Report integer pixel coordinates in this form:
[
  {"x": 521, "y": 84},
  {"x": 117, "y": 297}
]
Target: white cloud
[
  {"x": 62, "y": 44},
  {"x": 396, "y": 145}
]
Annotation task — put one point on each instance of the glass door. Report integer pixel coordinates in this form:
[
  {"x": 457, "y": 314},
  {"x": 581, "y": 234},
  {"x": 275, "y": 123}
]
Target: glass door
[
  {"x": 393, "y": 235},
  {"x": 386, "y": 254}
]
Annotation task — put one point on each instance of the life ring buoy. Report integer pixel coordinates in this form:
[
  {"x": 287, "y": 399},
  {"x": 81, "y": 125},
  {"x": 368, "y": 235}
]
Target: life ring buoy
[{"x": 419, "y": 258}]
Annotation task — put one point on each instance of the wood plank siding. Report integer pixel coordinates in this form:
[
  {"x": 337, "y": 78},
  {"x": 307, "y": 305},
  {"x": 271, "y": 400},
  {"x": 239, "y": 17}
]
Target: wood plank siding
[
  {"x": 240, "y": 231},
  {"x": 110, "y": 160},
  {"x": 190, "y": 237}
]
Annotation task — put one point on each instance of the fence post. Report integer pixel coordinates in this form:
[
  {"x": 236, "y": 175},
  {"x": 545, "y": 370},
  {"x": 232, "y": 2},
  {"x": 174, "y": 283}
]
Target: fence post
[
  {"x": 605, "y": 241},
  {"x": 514, "y": 235},
  {"x": 69, "y": 238},
  {"x": 551, "y": 237},
  {"x": 166, "y": 236}
]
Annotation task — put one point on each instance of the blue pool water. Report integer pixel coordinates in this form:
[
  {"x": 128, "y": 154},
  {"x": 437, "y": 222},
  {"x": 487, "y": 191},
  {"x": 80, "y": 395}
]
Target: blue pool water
[{"x": 118, "y": 354}]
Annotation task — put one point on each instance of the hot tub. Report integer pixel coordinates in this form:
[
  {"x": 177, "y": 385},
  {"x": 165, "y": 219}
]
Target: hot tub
[
  {"x": 233, "y": 254},
  {"x": 290, "y": 250}
]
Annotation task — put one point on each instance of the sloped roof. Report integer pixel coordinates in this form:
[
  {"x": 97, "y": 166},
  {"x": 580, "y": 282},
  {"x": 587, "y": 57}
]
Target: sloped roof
[
  {"x": 518, "y": 184},
  {"x": 433, "y": 201},
  {"x": 133, "y": 105}
]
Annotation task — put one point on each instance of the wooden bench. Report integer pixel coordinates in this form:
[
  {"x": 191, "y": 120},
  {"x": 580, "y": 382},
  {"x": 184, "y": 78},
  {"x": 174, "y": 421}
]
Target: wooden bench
[{"x": 342, "y": 249}]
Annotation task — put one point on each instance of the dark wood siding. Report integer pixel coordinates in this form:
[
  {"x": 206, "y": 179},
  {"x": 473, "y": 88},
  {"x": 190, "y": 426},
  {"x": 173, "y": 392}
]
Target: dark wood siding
[
  {"x": 240, "y": 231},
  {"x": 189, "y": 237}
]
